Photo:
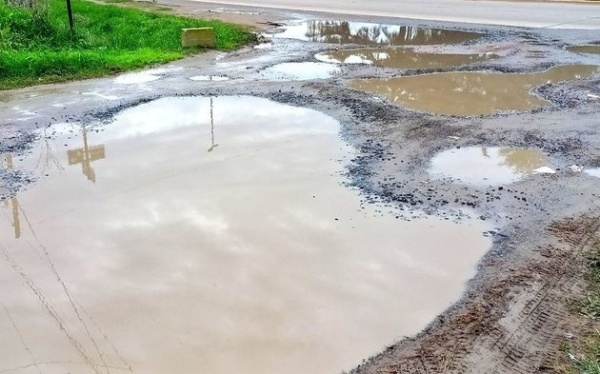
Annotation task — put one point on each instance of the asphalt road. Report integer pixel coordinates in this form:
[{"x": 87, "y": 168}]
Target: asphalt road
[{"x": 515, "y": 13}]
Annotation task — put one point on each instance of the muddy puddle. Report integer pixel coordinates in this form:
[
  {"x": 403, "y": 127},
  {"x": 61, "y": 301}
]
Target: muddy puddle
[
  {"x": 400, "y": 58},
  {"x": 300, "y": 71},
  {"x": 471, "y": 93},
  {"x": 591, "y": 49},
  {"x": 185, "y": 235},
  {"x": 489, "y": 166},
  {"x": 337, "y": 32}
]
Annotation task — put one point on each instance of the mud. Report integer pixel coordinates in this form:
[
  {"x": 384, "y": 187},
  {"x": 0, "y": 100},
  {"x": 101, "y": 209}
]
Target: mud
[
  {"x": 513, "y": 314},
  {"x": 401, "y": 58}
]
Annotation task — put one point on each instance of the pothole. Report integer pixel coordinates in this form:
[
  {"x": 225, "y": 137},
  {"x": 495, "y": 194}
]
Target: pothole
[
  {"x": 591, "y": 49},
  {"x": 401, "y": 58},
  {"x": 187, "y": 235},
  {"x": 300, "y": 71},
  {"x": 488, "y": 166},
  {"x": 471, "y": 93},
  {"x": 338, "y": 32}
]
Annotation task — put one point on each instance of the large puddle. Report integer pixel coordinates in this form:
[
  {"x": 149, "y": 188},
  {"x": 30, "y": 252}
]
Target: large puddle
[
  {"x": 488, "y": 166},
  {"x": 338, "y": 32},
  {"x": 187, "y": 237},
  {"x": 401, "y": 58},
  {"x": 592, "y": 49},
  {"x": 471, "y": 93}
]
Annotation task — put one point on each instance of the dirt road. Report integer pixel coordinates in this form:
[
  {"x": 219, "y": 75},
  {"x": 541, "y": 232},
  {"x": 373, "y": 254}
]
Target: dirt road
[{"x": 513, "y": 316}]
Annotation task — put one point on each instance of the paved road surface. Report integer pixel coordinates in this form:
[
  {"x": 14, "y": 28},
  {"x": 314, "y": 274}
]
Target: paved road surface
[{"x": 528, "y": 14}]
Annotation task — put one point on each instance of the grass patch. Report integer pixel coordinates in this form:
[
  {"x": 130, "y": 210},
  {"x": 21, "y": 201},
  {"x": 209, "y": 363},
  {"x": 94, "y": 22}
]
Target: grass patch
[
  {"x": 582, "y": 354},
  {"x": 590, "y": 306},
  {"x": 39, "y": 48}
]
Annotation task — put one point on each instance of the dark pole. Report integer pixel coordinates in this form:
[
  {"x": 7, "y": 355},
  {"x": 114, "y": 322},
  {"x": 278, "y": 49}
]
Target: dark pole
[{"x": 70, "y": 11}]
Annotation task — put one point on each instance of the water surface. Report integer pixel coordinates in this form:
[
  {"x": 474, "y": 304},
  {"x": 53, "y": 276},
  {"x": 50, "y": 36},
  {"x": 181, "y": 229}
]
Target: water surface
[
  {"x": 188, "y": 237},
  {"x": 471, "y": 93}
]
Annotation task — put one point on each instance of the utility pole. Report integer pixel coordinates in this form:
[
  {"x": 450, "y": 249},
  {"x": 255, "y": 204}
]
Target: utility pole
[{"x": 70, "y": 12}]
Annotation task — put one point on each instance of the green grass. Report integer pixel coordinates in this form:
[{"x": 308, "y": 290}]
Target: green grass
[
  {"x": 586, "y": 360},
  {"x": 107, "y": 39},
  {"x": 590, "y": 306}
]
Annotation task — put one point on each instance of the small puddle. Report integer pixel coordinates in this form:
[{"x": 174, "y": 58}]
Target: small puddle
[
  {"x": 489, "y": 166},
  {"x": 216, "y": 78},
  {"x": 400, "y": 58},
  {"x": 591, "y": 49},
  {"x": 594, "y": 172},
  {"x": 337, "y": 32},
  {"x": 264, "y": 46},
  {"x": 140, "y": 77},
  {"x": 471, "y": 93},
  {"x": 187, "y": 235},
  {"x": 300, "y": 71},
  {"x": 535, "y": 54}
]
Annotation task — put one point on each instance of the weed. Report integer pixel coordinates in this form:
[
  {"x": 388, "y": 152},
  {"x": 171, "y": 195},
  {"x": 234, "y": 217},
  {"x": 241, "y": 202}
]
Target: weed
[{"x": 583, "y": 354}]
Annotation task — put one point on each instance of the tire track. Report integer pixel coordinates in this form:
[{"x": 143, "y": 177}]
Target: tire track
[
  {"x": 513, "y": 325},
  {"x": 527, "y": 347}
]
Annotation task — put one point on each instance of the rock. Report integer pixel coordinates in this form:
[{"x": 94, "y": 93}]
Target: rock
[{"x": 576, "y": 168}]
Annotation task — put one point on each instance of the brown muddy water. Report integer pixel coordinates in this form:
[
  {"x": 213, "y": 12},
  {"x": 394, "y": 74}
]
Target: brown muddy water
[
  {"x": 401, "y": 58},
  {"x": 592, "y": 49},
  {"x": 187, "y": 237},
  {"x": 488, "y": 166},
  {"x": 339, "y": 32},
  {"x": 471, "y": 93}
]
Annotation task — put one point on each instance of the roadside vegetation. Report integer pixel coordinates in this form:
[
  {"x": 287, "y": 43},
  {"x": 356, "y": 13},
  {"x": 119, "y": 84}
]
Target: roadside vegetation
[
  {"x": 581, "y": 354},
  {"x": 36, "y": 45}
]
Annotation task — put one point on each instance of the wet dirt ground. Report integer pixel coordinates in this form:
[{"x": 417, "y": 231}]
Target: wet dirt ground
[{"x": 256, "y": 210}]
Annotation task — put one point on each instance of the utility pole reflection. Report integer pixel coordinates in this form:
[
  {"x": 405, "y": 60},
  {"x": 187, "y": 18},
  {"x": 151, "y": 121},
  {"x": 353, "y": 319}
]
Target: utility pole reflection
[
  {"x": 212, "y": 127},
  {"x": 14, "y": 203},
  {"x": 85, "y": 156}
]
